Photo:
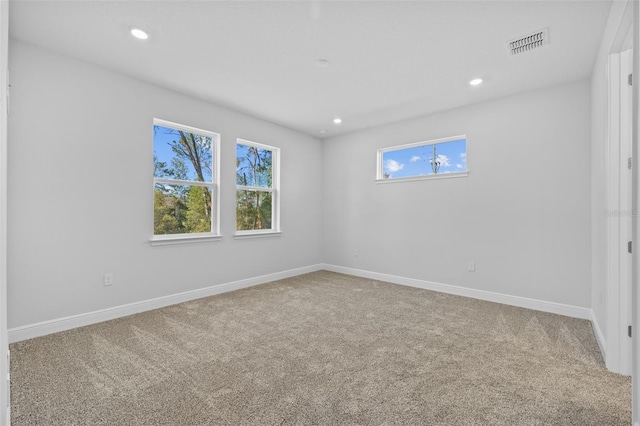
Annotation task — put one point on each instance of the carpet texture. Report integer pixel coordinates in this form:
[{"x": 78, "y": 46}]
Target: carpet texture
[{"x": 321, "y": 349}]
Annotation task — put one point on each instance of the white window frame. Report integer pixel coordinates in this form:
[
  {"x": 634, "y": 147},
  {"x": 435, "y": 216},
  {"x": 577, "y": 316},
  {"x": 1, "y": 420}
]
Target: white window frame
[
  {"x": 380, "y": 164},
  {"x": 214, "y": 185},
  {"x": 275, "y": 193}
]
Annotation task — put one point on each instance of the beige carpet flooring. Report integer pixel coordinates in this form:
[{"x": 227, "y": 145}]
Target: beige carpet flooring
[{"x": 321, "y": 349}]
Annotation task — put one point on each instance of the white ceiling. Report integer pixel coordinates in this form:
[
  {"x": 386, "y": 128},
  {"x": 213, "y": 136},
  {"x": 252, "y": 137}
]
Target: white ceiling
[{"x": 389, "y": 60}]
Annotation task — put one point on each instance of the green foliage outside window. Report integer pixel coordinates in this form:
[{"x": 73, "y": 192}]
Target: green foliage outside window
[
  {"x": 183, "y": 184},
  {"x": 184, "y": 156},
  {"x": 254, "y": 180}
]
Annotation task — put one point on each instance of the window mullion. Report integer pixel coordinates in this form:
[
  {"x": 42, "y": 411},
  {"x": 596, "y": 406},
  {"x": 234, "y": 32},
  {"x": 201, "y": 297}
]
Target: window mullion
[
  {"x": 182, "y": 182},
  {"x": 253, "y": 188}
]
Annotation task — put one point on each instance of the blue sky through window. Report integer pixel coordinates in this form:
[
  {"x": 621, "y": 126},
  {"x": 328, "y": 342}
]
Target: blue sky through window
[
  {"x": 417, "y": 161},
  {"x": 163, "y": 137},
  {"x": 254, "y": 166}
]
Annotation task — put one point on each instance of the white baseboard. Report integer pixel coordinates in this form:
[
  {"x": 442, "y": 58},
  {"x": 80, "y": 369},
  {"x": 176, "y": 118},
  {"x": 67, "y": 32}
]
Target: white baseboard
[
  {"x": 61, "y": 324},
  {"x": 523, "y": 302},
  {"x": 599, "y": 336}
]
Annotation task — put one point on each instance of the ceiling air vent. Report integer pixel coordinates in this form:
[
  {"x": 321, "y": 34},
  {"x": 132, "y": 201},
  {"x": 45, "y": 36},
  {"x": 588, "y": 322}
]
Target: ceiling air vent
[{"x": 529, "y": 42}]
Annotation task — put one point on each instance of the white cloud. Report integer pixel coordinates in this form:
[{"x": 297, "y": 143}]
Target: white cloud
[
  {"x": 444, "y": 160},
  {"x": 393, "y": 166},
  {"x": 463, "y": 157},
  {"x": 414, "y": 159},
  {"x": 459, "y": 166}
]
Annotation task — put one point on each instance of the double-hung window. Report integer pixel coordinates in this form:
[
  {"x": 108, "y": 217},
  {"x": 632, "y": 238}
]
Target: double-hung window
[
  {"x": 257, "y": 190},
  {"x": 185, "y": 182}
]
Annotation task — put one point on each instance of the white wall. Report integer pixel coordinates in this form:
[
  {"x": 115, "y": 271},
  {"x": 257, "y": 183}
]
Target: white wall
[
  {"x": 523, "y": 214},
  {"x": 599, "y": 264},
  {"x": 80, "y": 192}
]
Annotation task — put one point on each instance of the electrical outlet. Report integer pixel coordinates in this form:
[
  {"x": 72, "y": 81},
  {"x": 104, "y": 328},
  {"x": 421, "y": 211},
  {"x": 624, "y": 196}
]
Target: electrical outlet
[
  {"x": 108, "y": 279},
  {"x": 471, "y": 267}
]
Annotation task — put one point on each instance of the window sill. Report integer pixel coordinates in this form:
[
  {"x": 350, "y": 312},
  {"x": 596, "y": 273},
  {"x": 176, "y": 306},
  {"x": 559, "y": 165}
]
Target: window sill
[
  {"x": 165, "y": 240},
  {"x": 242, "y": 235},
  {"x": 427, "y": 177}
]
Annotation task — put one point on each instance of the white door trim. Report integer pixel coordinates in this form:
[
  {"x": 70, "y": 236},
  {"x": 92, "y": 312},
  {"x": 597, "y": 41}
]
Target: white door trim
[
  {"x": 626, "y": 207},
  {"x": 5, "y": 417},
  {"x": 618, "y": 345},
  {"x": 635, "y": 290},
  {"x": 613, "y": 224}
]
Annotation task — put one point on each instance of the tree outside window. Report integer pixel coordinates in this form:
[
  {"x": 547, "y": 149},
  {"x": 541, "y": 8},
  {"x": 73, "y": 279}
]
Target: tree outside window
[
  {"x": 256, "y": 187},
  {"x": 184, "y": 181}
]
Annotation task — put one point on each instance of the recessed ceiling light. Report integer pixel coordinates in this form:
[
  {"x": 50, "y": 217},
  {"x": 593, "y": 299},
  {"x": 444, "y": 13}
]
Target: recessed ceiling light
[
  {"x": 337, "y": 120},
  {"x": 475, "y": 81},
  {"x": 322, "y": 63},
  {"x": 139, "y": 33}
]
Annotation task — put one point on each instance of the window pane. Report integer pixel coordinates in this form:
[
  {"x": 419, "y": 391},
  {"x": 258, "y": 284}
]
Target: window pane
[
  {"x": 181, "y": 209},
  {"x": 181, "y": 155},
  {"x": 253, "y": 210},
  {"x": 450, "y": 157},
  {"x": 254, "y": 166}
]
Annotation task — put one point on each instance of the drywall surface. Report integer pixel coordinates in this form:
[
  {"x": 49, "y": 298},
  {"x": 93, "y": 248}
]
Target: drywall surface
[
  {"x": 599, "y": 255},
  {"x": 81, "y": 200},
  {"x": 522, "y": 215}
]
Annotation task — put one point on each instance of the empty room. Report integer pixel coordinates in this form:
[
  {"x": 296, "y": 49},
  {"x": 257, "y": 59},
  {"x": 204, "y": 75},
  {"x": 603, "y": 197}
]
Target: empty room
[{"x": 318, "y": 213}]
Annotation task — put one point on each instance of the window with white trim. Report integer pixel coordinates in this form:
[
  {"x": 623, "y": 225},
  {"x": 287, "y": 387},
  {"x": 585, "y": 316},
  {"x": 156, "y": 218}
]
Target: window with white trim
[
  {"x": 257, "y": 188},
  {"x": 185, "y": 181},
  {"x": 445, "y": 157}
]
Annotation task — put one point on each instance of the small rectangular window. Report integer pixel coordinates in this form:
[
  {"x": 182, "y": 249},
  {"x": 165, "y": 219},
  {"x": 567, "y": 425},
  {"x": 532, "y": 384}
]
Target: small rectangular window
[
  {"x": 185, "y": 180},
  {"x": 441, "y": 157},
  {"x": 257, "y": 190}
]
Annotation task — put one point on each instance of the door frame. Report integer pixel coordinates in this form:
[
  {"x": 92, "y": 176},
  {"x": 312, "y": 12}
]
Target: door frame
[
  {"x": 619, "y": 202},
  {"x": 5, "y": 404},
  {"x": 635, "y": 288},
  {"x": 619, "y": 186}
]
